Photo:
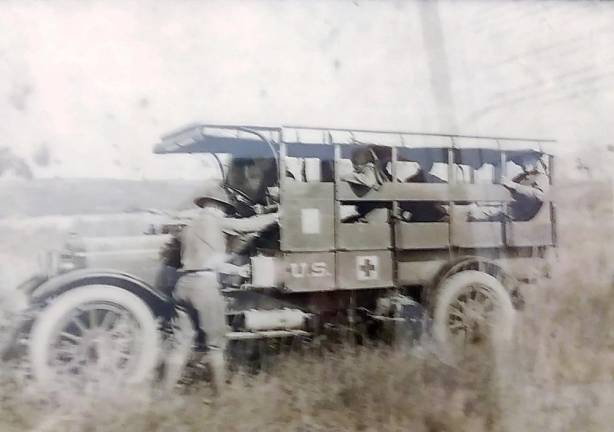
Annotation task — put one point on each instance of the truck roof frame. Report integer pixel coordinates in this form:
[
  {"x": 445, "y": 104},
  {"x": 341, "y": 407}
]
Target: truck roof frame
[{"x": 217, "y": 138}]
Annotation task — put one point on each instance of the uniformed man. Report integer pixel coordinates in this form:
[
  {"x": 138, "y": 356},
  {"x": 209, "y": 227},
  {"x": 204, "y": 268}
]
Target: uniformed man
[
  {"x": 367, "y": 175},
  {"x": 528, "y": 191},
  {"x": 203, "y": 258},
  {"x": 423, "y": 211}
]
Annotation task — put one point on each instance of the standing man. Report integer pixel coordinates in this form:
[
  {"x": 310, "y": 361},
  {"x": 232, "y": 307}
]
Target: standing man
[{"x": 203, "y": 258}]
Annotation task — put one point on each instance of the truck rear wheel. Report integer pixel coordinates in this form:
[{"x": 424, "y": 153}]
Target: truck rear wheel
[
  {"x": 95, "y": 333},
  {"x": 472, "y": 309}
]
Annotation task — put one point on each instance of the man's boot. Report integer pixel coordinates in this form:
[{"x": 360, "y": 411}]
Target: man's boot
[{"x": 217, "y": 367}]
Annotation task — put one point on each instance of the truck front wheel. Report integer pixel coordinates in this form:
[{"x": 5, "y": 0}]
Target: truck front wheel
[{"x": 94, "y": 333}]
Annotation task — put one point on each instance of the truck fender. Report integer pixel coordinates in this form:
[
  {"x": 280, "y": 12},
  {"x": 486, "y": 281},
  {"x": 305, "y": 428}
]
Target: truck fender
[
  {"x": 161, "y": 304},
  {"x": 482, "y": 264},
  {"x": 469, "y": 262}
]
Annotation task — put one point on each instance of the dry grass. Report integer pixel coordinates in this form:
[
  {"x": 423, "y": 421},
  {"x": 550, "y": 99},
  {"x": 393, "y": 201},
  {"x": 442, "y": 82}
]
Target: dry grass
[{"x": 357, "y": 389}]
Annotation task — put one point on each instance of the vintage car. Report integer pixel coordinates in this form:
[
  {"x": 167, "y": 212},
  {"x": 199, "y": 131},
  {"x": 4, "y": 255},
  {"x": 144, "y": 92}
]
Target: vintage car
[{"x": 344, "y": 253}]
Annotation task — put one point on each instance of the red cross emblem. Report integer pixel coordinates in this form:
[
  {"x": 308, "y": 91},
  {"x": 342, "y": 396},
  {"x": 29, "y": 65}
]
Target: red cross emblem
[{"x": 367, "y": 267}]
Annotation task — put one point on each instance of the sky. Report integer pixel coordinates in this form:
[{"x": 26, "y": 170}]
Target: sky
[{"x": 97, "y": 83}]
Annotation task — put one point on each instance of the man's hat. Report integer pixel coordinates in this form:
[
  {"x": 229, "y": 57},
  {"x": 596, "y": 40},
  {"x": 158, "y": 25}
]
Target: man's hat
[
  {"x": 531, "y": 154},
  {"x": 363, "y": 155},
  {"x": 213, "y": 192}
]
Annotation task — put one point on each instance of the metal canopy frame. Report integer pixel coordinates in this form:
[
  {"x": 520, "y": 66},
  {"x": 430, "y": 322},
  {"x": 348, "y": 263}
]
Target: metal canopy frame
[{"x": 248, "y": 140}]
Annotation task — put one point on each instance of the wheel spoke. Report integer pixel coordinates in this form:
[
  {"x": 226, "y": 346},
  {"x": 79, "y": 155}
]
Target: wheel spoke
[
  {"x": 92, "y": 318},
  {"x": 122, "y": 359},
  {"x": 472, "y": 293},
  {"x": 474, "y": 307},
  {"x": 482, "y": 296},
  {"x": 456, "y": 312},
  {"x": 457, "y": 325},
  {"x": 64, "y": 350},
  {"x": 468, "y": 305},
  {"x": 69, "y": 366},
  {"x": 71, "y": 337},
  {"x": 109, "y": 320},
  {"x": 119, "y": 324},
  {"x": 66, "y": 363},
  {"x": 79, "y": 323}
]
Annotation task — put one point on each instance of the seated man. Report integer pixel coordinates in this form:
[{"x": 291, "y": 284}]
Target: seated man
[
  {"x": 423, "y": 211},
  {"x": 528, "y": 191},
  {"x": 367, "y": 175}
]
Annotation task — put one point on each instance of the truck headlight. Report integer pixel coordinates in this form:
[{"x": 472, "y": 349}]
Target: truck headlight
[
  {"x": 67, "y": 262},
  {"x": 53, "y": 263}
]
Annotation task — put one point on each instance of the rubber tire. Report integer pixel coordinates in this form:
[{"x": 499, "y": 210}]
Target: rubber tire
[
  {"x": 449, "y": 290},
  {"x": 44, "y": 327}
]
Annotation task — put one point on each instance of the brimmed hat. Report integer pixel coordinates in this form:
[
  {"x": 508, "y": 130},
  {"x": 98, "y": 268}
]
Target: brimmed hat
[
  {"x": 363, "y": 155},
  {"x": 213, "y": 192},
  {"x": 529, "y": 154}
]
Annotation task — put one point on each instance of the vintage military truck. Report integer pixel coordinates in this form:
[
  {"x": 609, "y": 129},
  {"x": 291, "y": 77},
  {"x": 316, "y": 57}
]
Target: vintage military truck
[{"x": 320, "y": 266}]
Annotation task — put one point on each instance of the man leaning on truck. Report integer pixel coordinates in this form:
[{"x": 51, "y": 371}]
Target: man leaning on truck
[{"x": 203, "y": 258}]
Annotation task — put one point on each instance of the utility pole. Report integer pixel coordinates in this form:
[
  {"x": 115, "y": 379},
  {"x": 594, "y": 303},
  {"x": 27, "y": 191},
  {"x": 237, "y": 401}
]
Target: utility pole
[{"x": 439, "y": 69}]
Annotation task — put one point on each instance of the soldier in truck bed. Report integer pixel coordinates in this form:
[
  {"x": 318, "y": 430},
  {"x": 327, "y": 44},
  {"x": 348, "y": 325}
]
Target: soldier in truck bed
[
  {"x": 423, "y": 211},
  {"x": 528, "y": 191},
  {"x": 368, "y": 171},
  {"x": 368, "y": 174}
]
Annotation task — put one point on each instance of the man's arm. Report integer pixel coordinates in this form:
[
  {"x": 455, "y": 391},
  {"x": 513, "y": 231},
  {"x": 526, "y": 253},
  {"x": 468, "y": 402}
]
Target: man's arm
[
  {"x": 231, "y": 269},
  {"x": 365, "y": 178},
  {"x": 537, "y": 190},
  {"x": 251, "y": 224}
]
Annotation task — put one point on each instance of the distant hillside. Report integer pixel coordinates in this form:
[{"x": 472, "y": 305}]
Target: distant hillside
[{"x": 91, "y": 196}]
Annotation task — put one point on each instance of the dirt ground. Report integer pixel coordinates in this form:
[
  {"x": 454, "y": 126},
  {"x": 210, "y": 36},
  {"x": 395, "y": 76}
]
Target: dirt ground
[{"x": 558, "y": 375}]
